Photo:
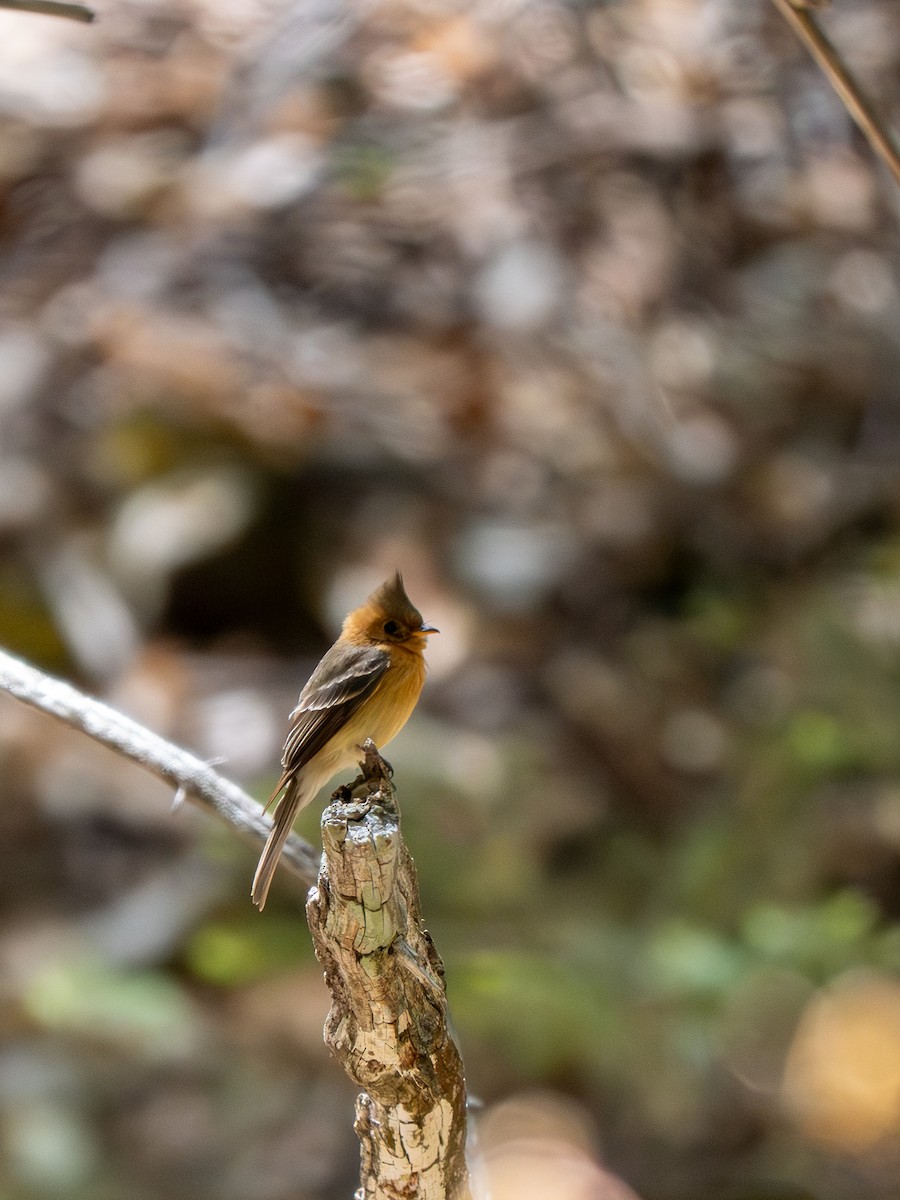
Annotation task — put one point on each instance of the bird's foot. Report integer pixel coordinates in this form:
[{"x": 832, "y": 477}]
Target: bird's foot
[{"x": 373, "y": 764}]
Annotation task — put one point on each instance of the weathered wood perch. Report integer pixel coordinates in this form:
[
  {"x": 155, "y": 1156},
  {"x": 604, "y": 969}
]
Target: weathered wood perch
[{"x": 388, "y": 1020}]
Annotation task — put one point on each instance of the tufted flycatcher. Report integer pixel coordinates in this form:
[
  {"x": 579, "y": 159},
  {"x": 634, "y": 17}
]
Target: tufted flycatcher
[{"x": 366, "y": 686}]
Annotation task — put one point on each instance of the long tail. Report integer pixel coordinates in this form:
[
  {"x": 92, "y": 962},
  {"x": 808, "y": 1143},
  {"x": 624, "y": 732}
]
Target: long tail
[{"x": 296, "y": 795}]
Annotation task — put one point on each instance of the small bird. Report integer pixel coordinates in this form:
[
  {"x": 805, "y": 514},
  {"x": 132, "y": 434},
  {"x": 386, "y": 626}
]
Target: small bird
[{"x": 366, "y": 686}]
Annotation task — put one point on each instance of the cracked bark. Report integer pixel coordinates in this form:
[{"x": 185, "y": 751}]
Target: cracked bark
[{"x": 388, "y": 1020}]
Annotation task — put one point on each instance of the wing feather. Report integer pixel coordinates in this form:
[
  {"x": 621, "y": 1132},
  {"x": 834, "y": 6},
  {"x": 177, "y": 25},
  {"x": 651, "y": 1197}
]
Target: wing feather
[{"x": 343, "y": 680}]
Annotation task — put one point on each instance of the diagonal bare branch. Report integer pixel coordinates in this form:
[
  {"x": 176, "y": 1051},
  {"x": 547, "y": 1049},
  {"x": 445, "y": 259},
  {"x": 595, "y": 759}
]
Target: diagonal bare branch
[
  {"x": 813, "y": 37},
  {"x": 185, "y": 772},
  {"x": 52, "y": 8}
]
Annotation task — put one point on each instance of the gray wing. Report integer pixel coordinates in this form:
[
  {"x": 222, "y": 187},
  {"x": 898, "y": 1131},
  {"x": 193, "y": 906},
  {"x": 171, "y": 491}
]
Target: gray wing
[{"x": 343, "y": 680}]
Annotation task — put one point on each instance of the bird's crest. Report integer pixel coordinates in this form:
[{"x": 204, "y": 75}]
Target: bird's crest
[{"x": 392, "y": 600}]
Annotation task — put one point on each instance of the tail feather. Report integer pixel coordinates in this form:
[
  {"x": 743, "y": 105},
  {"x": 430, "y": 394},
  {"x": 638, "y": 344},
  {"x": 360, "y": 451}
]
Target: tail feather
[{"x": 295, "y": 797}]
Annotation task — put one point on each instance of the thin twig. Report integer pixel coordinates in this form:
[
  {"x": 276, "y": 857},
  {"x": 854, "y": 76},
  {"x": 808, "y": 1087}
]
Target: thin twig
[
  {"x": 52, "y": 8},
  {"x": 191, "y": 776},
  {"x": 838, "y": 74}
]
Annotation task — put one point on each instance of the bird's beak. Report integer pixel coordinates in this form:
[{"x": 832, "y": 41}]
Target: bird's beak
[{"x": 426, "y": 629}]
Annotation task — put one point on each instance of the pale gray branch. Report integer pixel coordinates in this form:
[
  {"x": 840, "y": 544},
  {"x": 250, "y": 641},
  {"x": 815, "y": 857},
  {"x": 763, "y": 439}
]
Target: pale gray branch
[{"x": 185, "y": 772}]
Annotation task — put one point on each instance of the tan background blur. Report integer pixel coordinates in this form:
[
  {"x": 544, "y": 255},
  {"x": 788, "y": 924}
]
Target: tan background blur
[{"x": 585, "y": 316}]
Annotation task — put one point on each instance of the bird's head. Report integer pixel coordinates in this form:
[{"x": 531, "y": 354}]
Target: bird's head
[{"x": 390, "y": 616}]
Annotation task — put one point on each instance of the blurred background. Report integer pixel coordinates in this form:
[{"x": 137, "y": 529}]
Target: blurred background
[{"x": 584, "y": 316}]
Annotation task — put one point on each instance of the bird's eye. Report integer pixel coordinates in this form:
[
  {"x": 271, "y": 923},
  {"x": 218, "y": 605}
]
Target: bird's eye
[{"x": 391, "y": 627}]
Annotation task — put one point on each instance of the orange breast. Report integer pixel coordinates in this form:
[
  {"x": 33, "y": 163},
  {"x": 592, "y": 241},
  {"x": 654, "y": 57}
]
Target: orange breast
[{"x": 385, "y": 713}]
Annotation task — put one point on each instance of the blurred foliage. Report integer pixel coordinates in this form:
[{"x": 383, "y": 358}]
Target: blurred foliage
[
  {"x": 230, "y": 953},
  {"x": 140, "y": 1013},
  {"x": 584, "y": 315}
]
